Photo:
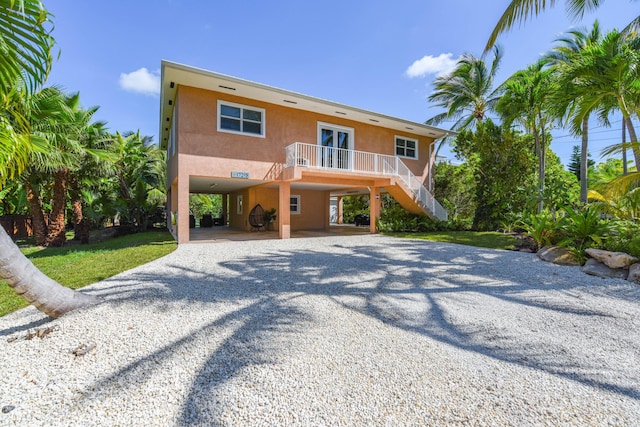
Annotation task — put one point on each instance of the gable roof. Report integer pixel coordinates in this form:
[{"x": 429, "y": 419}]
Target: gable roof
[{"x": 174, "y": 74}]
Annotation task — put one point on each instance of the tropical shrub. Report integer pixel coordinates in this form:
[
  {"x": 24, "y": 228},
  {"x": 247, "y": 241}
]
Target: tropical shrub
[
  {"x": 394, "y": 218},
  {"x": 496, "y": 156},
  {"x": 541, "y": 227},
  {"x": 624, "y": 237},
  {"x": 583, "y": 228},
  {"x": 201, "y": 204},
  {"x": 454, "y": 188},
  {"x": 354, "y": 205}
]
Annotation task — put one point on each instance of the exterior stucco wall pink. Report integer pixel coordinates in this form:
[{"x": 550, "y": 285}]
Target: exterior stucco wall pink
[
  {"x": 202, "y": 150},
  {"x": 198, "y": 134},
  {"x": 314, "y": 205}
]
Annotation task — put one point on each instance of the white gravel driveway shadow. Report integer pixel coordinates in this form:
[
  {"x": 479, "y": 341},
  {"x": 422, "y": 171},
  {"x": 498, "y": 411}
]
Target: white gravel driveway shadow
[{"x": 357, "y": 330}]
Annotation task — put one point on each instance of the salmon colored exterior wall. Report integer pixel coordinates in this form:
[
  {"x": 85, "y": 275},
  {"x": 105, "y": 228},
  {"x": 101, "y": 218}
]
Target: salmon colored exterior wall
[
  {"x": 314, "y": 212},
  {"x": 201, "y": 150},
  {"x": 198, "y": 131}
]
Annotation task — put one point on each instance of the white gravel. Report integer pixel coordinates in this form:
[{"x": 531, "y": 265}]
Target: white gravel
[{"x": 354, "y": 330}]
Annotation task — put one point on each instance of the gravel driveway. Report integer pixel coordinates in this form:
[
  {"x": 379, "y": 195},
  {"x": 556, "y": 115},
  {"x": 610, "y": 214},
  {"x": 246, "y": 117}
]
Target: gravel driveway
[{"x": 355, "y": 330}]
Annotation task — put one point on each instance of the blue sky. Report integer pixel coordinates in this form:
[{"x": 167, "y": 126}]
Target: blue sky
[{"x": 359, "y": 53}]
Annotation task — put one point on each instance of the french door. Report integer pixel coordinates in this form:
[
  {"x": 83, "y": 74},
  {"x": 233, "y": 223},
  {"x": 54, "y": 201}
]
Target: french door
[{"x": 334, "y": 142}]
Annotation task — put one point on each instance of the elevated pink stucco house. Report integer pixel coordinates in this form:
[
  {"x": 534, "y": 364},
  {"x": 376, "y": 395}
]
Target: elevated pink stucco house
[{"x": 257, "y": 144}]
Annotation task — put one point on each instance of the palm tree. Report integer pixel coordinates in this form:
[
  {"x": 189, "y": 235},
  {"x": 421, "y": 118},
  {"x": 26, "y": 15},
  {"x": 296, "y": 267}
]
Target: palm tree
[
  {"x": 139, "y": 168},
  {"x": 604, "y": 77},
  {"x": 44, "y": 112},
  {"x": 93, "y": 166},
  {"x": 26, "y": 46},
  {"x": 69, "y": 137},
  {"x": 570, "y": 48},
  {"x": 20, "y": 111},
  {"x": 25, "y": 61},
  {"x": 467, "y": 93},
  {"x": 519, "y": 11},
  {"x": 526, "y": 101}
]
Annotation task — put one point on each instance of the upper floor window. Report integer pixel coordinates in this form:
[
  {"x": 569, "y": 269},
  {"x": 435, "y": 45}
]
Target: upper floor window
[
  {"x": 406, "y": 147},
  {"x": 238, "y": 118}
]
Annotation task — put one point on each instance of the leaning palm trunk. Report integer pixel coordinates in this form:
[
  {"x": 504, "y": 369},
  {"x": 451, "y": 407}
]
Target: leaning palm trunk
[{"x": 44, "y": 293}]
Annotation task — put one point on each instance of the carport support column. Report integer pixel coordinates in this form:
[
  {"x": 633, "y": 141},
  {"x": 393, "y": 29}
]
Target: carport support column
[
  {"x": 340, "y": 210},
  {"x": 225, "y": 212},
  {"x": 374, "y": 207},
  {"x": 183, "y": 209},
  {"x": 284, "y": 210}
]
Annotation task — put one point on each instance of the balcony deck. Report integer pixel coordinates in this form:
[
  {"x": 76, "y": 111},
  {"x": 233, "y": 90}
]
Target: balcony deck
[{"x": 318, "y": 158}]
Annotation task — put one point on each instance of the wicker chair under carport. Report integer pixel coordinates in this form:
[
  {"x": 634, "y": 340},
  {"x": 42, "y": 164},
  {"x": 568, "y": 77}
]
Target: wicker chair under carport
[{"x": 256, "y": 218}]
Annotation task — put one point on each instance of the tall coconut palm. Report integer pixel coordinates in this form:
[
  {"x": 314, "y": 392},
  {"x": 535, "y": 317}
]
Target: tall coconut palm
[
  {"x": 25, "y": 59},
  {"x": 519, "y": 11},
  {"x": 526, "y": 101},
  {"x": 570, "y": 46},
  {"x": 467, "y": 93},
  {"x": 604, "y": 77}
]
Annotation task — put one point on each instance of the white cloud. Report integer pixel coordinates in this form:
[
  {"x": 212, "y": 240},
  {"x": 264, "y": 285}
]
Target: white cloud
[
  {"x": 429, "y": 64},
  {"x": 141, "y": 81}
]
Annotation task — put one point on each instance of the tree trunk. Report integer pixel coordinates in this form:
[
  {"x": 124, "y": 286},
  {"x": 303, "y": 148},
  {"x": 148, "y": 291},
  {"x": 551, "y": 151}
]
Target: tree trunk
[
  {"x": 45, "y": 294},
  {"x": 80, "y": 226},
  {"x": 40, "y": 229},
  {"x": 625, "y": 167},
  {"x": 56, "y": 236},
  {"x": 584, "y": 162},
  {"x": 540, "y": 153},
  {"x": 542, "y": 172},
  {"x": 633, "y": 138}
]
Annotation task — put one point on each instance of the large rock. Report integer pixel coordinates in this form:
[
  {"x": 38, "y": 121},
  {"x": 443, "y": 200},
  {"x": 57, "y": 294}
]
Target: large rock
[
  {"x": 634, "y": 273},
  {"x": 612, "y": 259},
  {"x": 596, "y": 268},
  {"x": 557, "y": 255}
]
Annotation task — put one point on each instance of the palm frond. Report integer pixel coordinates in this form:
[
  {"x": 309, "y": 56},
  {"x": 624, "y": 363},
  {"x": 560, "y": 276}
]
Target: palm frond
[
  {"x": 26, "y": 45},
  {"x": 518, "y": 11},
  {"x": 577, "y": 8},
  {"x": 632, "y": 29},
  {"x": 619, "y": 148}
]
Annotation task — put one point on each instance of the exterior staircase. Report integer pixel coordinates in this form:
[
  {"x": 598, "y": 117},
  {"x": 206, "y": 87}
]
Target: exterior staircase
[{"x": 405, "y": 187}]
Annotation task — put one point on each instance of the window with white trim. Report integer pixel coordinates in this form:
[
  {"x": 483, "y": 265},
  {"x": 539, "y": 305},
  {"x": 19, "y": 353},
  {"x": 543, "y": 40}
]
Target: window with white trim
[
  {"x": 294, "y": 205},
  {"x": 406, "y": 147},
  {"x": 239, "y": 205},
  {"x": 236, "y": 118}
]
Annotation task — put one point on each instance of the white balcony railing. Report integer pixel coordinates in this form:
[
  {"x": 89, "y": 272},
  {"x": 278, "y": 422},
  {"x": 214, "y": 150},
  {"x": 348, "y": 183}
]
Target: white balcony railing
[{"x": 319, "y": 157}]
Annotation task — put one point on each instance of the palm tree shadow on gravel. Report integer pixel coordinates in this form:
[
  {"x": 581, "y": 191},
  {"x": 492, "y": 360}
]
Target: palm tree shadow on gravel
[{"x": 449, "y": 302}]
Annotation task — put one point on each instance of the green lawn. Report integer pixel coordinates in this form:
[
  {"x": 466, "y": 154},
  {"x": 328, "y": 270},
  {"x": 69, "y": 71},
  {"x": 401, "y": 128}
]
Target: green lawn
[
  {"x": 490, "y": 239},
  {"x": 76, "y": 266}
]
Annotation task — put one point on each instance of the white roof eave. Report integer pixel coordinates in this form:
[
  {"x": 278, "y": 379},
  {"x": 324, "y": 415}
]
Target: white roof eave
[{"x": 180, "y": 74}]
